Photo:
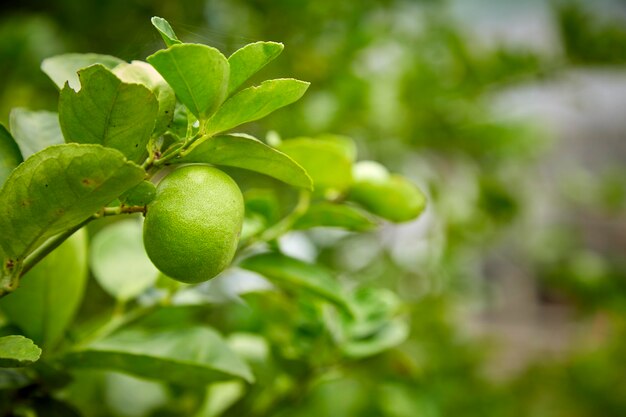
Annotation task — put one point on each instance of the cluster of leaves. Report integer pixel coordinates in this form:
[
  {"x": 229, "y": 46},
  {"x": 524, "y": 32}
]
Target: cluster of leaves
[{"x": 118, "y": 125}]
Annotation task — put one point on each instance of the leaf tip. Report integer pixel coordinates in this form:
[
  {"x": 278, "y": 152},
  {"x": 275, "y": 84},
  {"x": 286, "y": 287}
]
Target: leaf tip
[{"x": 278, "y": 45}]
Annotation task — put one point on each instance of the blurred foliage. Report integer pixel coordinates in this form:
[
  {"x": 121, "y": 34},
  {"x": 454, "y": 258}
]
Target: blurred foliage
[
  {"x": 588, "y": 40},
  {"x": 412, "y": 86}
]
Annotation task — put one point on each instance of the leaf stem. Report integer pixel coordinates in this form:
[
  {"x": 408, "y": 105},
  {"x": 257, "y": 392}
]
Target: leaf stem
[
  {"x": 54, "y": 242},
  {"x": 49, "y": 246},
  {"x": 182, "y": 149},
  {"x": 122, "y": 209}
]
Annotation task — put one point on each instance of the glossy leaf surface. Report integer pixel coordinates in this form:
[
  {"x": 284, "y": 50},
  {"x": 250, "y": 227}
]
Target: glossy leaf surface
[
  {"x": 243, "y": 151},
  {"x": 255, "y": 103},
  {"x": 197, "y": 73},
  {"x": 247, "y": 61},
  {"x": 284, "y": 270},
  {"x": 187, "y": 356}
]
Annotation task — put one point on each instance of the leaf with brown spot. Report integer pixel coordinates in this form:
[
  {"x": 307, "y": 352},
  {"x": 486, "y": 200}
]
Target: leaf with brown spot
[{"x": 46, "y": 194}]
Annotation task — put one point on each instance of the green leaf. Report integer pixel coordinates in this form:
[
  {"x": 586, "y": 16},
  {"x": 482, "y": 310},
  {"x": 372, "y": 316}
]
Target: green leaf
[
  {"x": 35, "y": 130},
  {"x": 247, "y": 61},
  {"x": 119, "y": 261},
  {"x": 139, "y": 72},
  {"x": 325, "y": 161},
  {"x": 334, "y": 215},
  {"x": 285, "y": 270},
  {"x": 10, "y": 156},
  {"x": 58, "y": 188},
  {"x": 50, "y": 293},
  {"x": 220, "y": 397},
  {"x": 376, "y": 325},
  {"x": 165, "y": 30},
  {"x": 345, "y": 143},
  {"x": 389, "y": 196},
  {"x": 388, "y": 336},
  {"x": 197, "y": 73},
  {"x": 243, "y": 151},
  {"x": 64, "y": 68},
  {"x": 129, "y": 396},
  {"x": 17, "y": 351},
  {"x": 140, "y": 195},
  {"x": 108, "y": 112},
  {"x": 189, "y": 356},
  {"x": 254, "y": 103}
]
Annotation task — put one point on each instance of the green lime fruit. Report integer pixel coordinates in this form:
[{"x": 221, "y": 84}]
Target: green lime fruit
[
  {"x": 192, "y": 226},
  {"x": 389, "y": 196}
]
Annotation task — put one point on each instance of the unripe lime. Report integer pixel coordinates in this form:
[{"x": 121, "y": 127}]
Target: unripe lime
[
  {"x": 389, "y": 196},
  {"x": 192, "y": 226}
]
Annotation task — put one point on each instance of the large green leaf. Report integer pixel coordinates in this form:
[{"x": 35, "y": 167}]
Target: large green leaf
[
  {"x": 255, "y": 103},
  {"x": 58, "y": 188},
  {"x": 10, "y": 156},
  {"x": 49, "y": 294},
  {"x": 119, "y": 261},
  {"x": 243, "y": 151},
  {"x": 327, "y": 162},
  {"x": 35, "y": 130},
  {"x": 389, "y": 196},
  {"x": 245, "y": 62},
  {"x": 197, "y": 73},
  {"x": 140, "y": 72},
  {"x": 17, "y": 351},
  {"x": 335, "y": 215},
  {"x": 285, "y": 270},
  {"x": 64, "y": 68},
  {"x": 108, "y": 112},
  {"x": 188, "y": 356},
  {"x": 165, "y": 30}
]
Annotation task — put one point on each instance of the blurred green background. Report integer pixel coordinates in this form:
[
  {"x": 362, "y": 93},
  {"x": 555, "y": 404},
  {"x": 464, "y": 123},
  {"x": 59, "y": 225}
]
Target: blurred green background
[{"x": 511, "y": 115}]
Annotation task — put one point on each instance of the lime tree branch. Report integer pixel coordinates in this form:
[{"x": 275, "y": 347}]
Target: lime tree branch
[
  {"x": 57, "y": 240},
  {"x": 51, "y": 244}
]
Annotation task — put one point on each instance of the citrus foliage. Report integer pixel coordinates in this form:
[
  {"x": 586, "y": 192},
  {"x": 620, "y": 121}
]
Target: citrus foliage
[{"x": 156, "y": 139}]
